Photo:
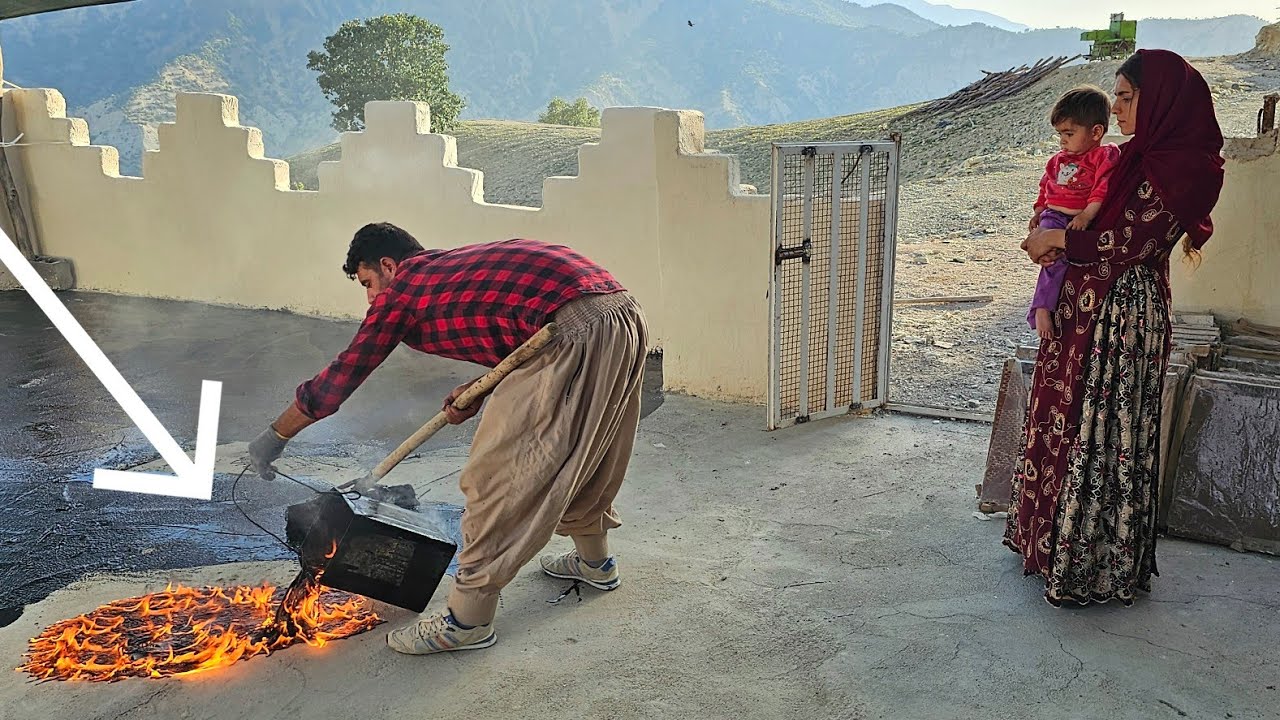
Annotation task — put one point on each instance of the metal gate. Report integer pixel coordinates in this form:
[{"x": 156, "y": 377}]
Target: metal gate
[{"x": 835, "y": 209}]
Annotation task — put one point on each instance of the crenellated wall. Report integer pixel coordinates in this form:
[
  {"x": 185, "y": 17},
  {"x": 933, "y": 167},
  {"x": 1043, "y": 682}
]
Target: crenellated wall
[{"x": 213, "y": 220}]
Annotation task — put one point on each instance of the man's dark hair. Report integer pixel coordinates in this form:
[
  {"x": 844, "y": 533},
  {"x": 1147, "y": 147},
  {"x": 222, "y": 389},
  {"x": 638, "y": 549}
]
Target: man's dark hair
[
  {"x": 376, "y": 241},
  {"x": 1085, "y": 105},
  {"x": 1131, "y": 69}
]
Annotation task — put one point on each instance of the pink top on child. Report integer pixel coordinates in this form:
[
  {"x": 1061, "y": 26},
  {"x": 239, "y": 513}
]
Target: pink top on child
[{"x": 1073, "y": 181}]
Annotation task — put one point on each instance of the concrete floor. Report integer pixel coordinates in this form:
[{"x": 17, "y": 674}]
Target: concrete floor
[
  {"x": 63, "y": 424},
  {"x": 829, "y": 570}
]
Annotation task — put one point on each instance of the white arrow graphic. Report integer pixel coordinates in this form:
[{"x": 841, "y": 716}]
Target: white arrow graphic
[{"x": 193, "y": 479}]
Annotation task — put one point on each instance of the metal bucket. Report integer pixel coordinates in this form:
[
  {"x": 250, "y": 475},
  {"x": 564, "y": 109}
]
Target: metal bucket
[{"x": 376, "y": 549}]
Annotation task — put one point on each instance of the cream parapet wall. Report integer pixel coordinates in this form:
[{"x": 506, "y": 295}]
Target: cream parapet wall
[
  {"x": 1239, "y": 276},
  {"x": 213, "y": 220}
]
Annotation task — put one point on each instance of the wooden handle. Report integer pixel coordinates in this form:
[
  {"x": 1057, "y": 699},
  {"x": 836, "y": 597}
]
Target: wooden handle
[{"x": 478, "y": 389}]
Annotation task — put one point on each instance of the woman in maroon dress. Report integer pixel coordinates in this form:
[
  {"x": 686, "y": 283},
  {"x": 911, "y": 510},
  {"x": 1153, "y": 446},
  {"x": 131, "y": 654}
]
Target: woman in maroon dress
[{"x": 1083, "y": 512}]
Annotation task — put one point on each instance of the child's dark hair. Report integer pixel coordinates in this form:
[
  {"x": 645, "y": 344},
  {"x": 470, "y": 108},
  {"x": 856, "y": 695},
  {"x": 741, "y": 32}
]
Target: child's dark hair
[{"x": 1086, "y": 105}]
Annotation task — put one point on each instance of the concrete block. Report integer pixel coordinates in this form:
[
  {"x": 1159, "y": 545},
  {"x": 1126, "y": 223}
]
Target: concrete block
[
  {"x": 57, "y": 272},
  {"x": 1226, "y": 487}
]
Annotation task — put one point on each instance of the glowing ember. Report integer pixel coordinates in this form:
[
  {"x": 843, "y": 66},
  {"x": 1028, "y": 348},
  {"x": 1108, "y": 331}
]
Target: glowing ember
[{"x": 184, "y": 630}]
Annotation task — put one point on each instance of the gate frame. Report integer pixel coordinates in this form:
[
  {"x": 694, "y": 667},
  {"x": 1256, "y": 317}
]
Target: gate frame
[{"x": 778, "y": 153}]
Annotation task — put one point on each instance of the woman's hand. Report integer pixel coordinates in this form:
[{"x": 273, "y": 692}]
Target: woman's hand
[
  {"x": 1051, "y": 258},
  {"x": 1045, "y": 246}
]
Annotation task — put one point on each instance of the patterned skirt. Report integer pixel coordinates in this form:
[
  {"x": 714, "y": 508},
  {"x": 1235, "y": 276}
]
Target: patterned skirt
[{"x": 1104, "y": 533}]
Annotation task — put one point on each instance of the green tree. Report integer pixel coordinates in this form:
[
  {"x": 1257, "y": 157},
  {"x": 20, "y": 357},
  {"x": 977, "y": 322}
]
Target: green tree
[
  {"x": 391, "y": 57},
  {"x": 579, "y": 114}
]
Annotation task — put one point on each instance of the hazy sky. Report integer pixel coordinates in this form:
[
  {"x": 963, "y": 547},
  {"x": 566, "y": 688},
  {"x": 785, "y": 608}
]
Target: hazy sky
[{"x": 1096, "y": 13}]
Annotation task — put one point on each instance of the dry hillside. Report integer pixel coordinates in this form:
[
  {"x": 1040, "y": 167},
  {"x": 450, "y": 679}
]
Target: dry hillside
[
  {"x": 963, "y": 215},
  {"x": 968, "y": 184},
  {"x": 516, "y": 156}
]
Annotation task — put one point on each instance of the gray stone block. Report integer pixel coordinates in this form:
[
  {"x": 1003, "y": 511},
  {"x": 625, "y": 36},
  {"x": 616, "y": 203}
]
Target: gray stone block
[{"x": 1226, "y": 486}]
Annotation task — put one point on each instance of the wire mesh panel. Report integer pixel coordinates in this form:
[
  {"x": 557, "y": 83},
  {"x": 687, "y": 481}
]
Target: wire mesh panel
[
  {"x": 788, "y": 308},
  {"x": 834, "y": 213},
  {"x": 850, "y": 259},
  {"x": 874, "y": 276},
  {"x": 819, "y": 277}
]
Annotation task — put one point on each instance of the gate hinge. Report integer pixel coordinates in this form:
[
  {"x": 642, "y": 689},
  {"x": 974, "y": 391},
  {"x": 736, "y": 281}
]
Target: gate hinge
[{"x": 804, "y": 250}]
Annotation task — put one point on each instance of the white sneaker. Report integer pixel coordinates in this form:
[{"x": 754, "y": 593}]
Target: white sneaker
[
  {"x": 438, "y": 634},
  {"x": 570, "y": 566}
]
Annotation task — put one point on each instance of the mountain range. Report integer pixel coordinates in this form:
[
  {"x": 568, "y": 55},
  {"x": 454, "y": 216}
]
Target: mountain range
[
  {"x": 741, "y": 62},
  {"x": 943, "y": 14}
]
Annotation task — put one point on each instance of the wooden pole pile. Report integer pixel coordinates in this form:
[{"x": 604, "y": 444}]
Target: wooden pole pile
[{"x": 995, "y": 86}]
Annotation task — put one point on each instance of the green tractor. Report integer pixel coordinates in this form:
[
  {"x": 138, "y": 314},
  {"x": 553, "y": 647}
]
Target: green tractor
[{"x": 1119, "y": 40}]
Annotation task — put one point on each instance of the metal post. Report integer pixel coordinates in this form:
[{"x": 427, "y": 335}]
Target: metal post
[
  {"x": 864, "y": 222},
  {"x": 775, "y": 326},
  {"x": 807, "y": 222},
  {"x": 833, "y": 279},
  {"x": 890, "y": 256},
  {"x": 1267, "y": 115}
]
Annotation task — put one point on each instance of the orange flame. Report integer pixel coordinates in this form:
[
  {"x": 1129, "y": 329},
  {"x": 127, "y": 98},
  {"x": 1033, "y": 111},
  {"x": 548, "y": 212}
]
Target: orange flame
[
  {"x": 183, "y": 630},
  {"x": 332, "y": 551}
]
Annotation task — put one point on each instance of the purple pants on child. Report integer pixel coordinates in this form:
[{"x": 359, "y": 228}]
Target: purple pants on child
[{"x": 1049, "y": 285}]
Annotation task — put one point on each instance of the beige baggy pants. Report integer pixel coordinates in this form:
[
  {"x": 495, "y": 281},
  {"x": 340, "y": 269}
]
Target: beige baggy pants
[{"x": 551, "y": 449}]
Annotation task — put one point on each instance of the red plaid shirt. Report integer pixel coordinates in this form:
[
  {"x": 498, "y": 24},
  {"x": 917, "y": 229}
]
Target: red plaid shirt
[{"x": 476, "y": 303}]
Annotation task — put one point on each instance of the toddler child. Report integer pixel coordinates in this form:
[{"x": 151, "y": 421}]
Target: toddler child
[{"x": 1073, "y": 186}]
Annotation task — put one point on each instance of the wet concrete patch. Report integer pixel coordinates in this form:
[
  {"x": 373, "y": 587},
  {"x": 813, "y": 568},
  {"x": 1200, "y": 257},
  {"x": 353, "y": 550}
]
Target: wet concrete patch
[
  {"x": 60, "y": 531},
  {"x": 61, "y": 424}
]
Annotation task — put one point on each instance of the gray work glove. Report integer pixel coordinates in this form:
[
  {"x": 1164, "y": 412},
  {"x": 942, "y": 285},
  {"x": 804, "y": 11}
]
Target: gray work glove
[{"x": 264, "y": 450}]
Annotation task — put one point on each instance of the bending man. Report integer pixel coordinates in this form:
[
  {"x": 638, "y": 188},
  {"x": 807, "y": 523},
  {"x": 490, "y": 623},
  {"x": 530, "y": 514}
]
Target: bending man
[{"x": 549, "y": 454}]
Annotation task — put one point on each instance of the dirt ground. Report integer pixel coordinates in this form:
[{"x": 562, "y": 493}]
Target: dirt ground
[{"x": 950, "y": 354}]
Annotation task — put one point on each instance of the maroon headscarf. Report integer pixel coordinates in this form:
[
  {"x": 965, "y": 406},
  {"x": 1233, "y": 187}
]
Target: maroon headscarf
[{"x": 1176, "y": 145}]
